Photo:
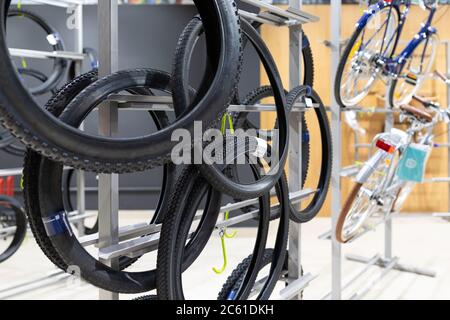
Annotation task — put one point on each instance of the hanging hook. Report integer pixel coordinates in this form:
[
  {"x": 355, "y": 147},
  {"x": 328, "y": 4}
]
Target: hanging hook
[{"x": 223, "y": 236}]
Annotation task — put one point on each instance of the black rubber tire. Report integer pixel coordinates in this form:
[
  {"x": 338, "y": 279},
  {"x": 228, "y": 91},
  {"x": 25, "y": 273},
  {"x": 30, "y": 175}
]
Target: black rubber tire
[
  {"x": 50, "y": 137},
  {"x": 175, "y": 231},
  {"x": 68, "y": 247},
  {"x": 214, "y": 174},
  {"x": 147, "y": 298},
  {"x": 308, "y": 62},
  {"x": 32, "y": 162},
  {"x": 184, "y": 51},
  {"x": 31, "y": 181},
  {"x": 234, "y": 280},
  {"x": 60, "y": 65},
  {"x": 67, "y": 199},
  {"x": 21, "y": 227},
  {"x": 241, "y": 121},
  {"x": 314, "y": 206},
  {"x": 345, "y": 55},
  {"x": 15, "y": 148}
]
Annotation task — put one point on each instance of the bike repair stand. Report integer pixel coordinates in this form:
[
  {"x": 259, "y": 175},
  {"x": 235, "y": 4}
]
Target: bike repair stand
[{"x": 388, "y": 262}]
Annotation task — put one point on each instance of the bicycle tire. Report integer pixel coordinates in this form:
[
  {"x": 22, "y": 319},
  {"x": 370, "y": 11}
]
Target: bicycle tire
[
  {"x": 147, "y": 298},
  {"x": 313, "y": 208},
  {"x": 59, "y": 65},
  {"x": 346, "y": 54},
  {"x": 21, "y": 227},
  {"x": 183, "y": 55},
  {"x": 259, "y": 94},
  {"x": 175, "y": 227},
  {"x": 19, "y": 149},
  {"x": 60, "y": 142},
  {"x": 67, "y": 200},
  {"x": 344, "y": 212},
  {"x": 233, "y": 282},
  {"x": 71, "y": 251},
  {"x": 214, "y": 175},
  {"x": 240, "y": 120},
  {"x": 175, "y": 230},
  {"x": 31, "y": 180}
]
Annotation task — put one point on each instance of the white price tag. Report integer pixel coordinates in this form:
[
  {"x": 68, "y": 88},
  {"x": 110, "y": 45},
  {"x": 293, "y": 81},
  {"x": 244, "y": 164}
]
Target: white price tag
[
  {"x": 53, "y": 39},
  {"x": 309, "y": 103},
  {"x": 261, "y": 148}
]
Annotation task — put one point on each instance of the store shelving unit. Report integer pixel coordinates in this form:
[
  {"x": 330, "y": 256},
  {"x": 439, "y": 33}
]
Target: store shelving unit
[{"x": 135, "y": 240}]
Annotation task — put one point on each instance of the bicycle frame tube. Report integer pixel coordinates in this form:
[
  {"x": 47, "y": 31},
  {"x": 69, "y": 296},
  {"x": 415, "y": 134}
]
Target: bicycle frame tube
[
  {"x": 425, "y": 32},
  {"x": 373, "y": 10}
]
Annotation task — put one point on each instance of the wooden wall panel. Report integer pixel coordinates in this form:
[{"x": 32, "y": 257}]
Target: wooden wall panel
[{"x": 426, "y": 197}]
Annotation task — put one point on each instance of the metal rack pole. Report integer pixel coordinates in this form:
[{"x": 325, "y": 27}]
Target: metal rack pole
[
  {"x": 447, "y": 58},
  {"x": 336, "y": 282},
  {"x": 295, "y": 148},
  {"x": 388, "y": 125},
  {"x": 108, "y": 125},
  {"x": 81, "y": 183}
]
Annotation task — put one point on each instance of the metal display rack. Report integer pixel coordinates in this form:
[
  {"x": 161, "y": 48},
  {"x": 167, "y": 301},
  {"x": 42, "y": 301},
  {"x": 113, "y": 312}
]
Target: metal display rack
[
  {"x": 76, "y": 217},
  {"x": 135, "y": 240},
  {"x": 386, "y": 260},
  {"x": 77, "y": 56}
]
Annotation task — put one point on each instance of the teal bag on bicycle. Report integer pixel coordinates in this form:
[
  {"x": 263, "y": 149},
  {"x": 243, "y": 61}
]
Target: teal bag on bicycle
[{"x": 412, "y": 165}]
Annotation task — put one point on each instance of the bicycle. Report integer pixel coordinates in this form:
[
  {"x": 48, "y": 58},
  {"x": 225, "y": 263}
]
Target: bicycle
[
  {"x": 370, "y": 54},
  {"x": 382, "y": 186}
]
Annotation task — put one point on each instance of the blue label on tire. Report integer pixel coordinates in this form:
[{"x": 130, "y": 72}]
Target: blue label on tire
[{"x": 57, "y": 224}]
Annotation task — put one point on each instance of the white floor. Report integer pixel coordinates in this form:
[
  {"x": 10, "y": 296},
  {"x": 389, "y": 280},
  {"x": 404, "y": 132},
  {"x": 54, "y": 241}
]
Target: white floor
[{"x": 419, "y": 242}]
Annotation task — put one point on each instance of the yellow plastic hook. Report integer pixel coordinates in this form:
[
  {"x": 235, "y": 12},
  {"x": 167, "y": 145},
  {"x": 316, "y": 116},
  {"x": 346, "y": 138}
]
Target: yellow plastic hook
[
  {"x": 223, "y": 232},
  {"x": 223, "y": 235},
  {"x": 224, "y": 254}
]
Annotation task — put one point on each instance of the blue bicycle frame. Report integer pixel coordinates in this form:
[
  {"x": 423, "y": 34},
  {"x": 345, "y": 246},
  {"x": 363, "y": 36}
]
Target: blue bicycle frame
[{"x": 393, "y": 65}]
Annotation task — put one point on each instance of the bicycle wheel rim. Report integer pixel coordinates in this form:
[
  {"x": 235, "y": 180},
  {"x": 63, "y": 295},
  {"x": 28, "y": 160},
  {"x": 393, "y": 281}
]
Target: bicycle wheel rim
[{"x": 353, "y": 55}]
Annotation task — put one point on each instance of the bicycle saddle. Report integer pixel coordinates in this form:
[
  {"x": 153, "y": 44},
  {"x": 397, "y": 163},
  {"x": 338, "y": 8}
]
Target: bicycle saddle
[{"x": 417, "y": 112}]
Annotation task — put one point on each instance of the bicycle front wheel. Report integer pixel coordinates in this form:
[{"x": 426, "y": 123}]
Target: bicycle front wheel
[{"x": 357, "y": 72}]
